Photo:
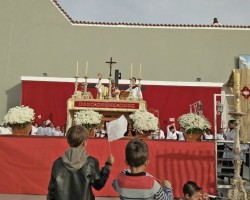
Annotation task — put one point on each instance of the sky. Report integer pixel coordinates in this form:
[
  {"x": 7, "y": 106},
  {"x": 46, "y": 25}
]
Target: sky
[{"x": 228, "y": 12}]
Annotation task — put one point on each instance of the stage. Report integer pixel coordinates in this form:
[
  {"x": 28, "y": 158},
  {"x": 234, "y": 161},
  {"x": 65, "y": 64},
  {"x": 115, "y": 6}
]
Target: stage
[{"x": 26, "y": 162}]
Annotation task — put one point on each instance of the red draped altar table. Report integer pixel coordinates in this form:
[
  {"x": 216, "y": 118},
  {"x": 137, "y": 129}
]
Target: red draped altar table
[{"x": 25, "y": 162}]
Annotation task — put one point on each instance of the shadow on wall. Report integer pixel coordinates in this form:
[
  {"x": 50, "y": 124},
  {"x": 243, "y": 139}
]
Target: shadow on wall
[{"x": 14, "y": 96}]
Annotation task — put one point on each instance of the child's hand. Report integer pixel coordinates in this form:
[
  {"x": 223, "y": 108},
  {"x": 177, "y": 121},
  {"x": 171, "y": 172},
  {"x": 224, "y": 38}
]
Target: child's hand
[
  {"x": 203, "y": 196},
  {"x": 166, "y": 183},
  {"x": 110, "y": 159}
]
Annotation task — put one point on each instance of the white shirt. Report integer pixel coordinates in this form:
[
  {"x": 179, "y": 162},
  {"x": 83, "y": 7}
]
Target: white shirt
[
  {"x": 208, "y": 137},
  {"x": 171, "y": 135},
  {"x": 181, "y": 136},
  {"x": 5, "y": 131},
  {"x": 57, "y": 133},
  {"x": 34, "y": 130},
  {"x": 154, "y": 135},
  {"x": 135, "y": 92}
]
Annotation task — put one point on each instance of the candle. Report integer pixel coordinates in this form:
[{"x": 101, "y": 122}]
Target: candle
[
  {"x": 140, "y": 72},
  {"x": 131, "y": 70},
  {"x": 77, "y": 69},
  {"x": 86, "y": 73}
]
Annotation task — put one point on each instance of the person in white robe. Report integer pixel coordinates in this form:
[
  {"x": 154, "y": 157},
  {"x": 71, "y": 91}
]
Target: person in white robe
[
  {"x": 230, "y": 134},
  {"x": 158, "y": 134},
  {"x": 57, "y": 131},
  {"x": 180, "y": 134},
  {"x": 135, "y": 89},
  {"x": 102, "y": 91},
  {"x": 207, "y": 135},
  {"x": 171, "y": 132},
  {"x": 34, "y": 129}
]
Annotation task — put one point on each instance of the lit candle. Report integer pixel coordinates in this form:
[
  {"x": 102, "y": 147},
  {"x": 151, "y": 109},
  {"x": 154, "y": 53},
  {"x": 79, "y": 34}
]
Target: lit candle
[
  {"x": 140, "y": 72},
  {"x": 86, "y": 73},
  {"x": 131, "y": 70},
  {"x": 77, "y": 69}
]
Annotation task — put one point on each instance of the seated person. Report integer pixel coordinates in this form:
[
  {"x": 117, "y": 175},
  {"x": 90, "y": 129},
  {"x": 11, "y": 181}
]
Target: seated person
[
  {"x": 191, "y": 191},
  {"x": 207, "y": 135},
  {"x": 34, "y": 128},
  {"x": 135, "y": 89},
  {"x": 220, "y": 146},
  {"x": 171, "y": 132},
  {"x": 57, "y": 131},
  {"x": 158, "y": 134},
  {"x": 5, "y": 129},
  {"x": 180, "y": 134}
]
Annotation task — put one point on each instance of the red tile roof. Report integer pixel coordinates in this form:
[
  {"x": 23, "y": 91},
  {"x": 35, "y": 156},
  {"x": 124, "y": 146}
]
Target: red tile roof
[{"x": 144, "y": 24}]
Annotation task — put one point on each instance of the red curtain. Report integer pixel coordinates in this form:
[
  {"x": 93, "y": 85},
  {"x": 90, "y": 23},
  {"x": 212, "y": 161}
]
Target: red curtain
[
  {"x": 50, "y": 100},
  {"x": 26, "y": 162}
]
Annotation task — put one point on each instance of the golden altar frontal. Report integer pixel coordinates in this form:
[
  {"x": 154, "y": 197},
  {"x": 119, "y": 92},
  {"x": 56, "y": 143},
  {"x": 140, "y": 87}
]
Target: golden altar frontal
[{"x": 110, "y": 109}]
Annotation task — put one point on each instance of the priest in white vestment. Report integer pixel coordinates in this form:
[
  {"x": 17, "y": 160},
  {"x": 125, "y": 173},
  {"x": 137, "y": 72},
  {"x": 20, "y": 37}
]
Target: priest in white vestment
[{"x": 135, "y": 89}]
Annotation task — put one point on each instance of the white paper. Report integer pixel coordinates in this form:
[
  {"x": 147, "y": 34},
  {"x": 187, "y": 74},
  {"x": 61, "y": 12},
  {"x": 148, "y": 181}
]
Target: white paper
[{"x": 116, "y": 128}]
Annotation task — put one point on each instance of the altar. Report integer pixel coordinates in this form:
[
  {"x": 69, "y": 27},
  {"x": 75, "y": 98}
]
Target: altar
[{"x": 110, "y": 109}]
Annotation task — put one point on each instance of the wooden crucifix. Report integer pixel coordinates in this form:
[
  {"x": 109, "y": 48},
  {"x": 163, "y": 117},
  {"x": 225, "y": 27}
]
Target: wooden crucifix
[{"x": 110, "y": 66}]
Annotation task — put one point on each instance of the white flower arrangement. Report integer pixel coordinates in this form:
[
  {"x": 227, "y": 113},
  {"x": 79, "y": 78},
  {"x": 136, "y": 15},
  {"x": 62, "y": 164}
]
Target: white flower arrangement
[
  {"x": 144, "y": 121},
  {"x": 193, "y": 123},
  {"x": 19, "y": 116},
  {"x": 87, "y": 118}
]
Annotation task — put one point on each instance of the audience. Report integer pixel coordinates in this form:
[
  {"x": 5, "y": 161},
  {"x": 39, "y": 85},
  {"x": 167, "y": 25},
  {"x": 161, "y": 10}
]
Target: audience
[
  {"x": 207, "y": 135},
  {"x": 171, "y": 132},
  {"x": 158, "y": 134},
  {"x": 220, "y": 146},
  {"x": 5, "y": 129}
]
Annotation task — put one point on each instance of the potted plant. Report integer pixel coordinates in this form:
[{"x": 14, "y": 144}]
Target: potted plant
[
  {"x": 19, "y": 118},
  {"x": 144, "y": 121},
  {"x": 194, "y": 125},
  {"x": 89, "y": 119}
]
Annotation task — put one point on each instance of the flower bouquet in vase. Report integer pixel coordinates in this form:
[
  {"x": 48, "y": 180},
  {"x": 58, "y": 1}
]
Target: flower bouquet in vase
[
  {"x": 194, "y": 126},
  {"x": 144, "y": 123},
  {"x": 19, "y": 119},
  {"x": 88, "y": 118}
]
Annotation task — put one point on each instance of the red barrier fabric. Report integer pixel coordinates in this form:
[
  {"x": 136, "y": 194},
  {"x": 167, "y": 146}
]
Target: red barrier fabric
[
  {"x": 25, "y": 162},
  {"x": 49, "y": 99}
]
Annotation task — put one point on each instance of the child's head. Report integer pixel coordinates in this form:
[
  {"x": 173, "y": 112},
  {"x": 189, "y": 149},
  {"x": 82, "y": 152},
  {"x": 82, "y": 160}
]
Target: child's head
[
  {"x": 136, "y": 153},
  {"x": 231, "y": 123},
  {"x": 76, "y": 135},
  {"x": 191, "y": 190}
]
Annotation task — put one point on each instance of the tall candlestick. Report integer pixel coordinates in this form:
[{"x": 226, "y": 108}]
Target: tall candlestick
[
  {"x": 86, "y": 73},
  {"x": 77, "y": 69},
  {"x": 131, "y": 70},
  {"x": 140, "y": 71},
  {"x": 237, "y": 91}
]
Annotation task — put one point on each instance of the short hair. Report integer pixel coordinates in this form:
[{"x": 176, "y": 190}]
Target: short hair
[
  {"x": 231, "y": 121},
  {"x": 171, "y": 127},
  {"x": 134, "y": 78},
  {"x": 76, "y": 135},
  {"x": 190, "y": 188},
  {"x": 136, "y": 152}
]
